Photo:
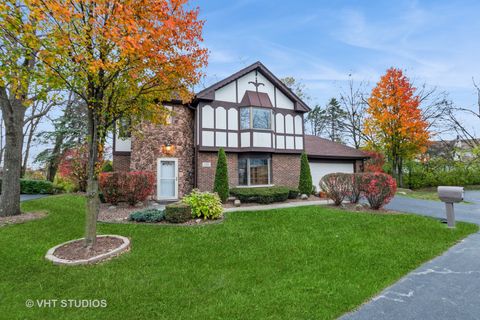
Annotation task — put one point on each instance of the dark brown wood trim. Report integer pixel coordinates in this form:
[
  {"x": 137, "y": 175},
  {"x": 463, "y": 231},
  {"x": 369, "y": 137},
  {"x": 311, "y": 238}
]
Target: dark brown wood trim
[{"x": 250, "y": 149}]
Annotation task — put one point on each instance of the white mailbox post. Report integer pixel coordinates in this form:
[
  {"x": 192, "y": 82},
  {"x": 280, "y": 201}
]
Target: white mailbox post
[{"x": 450, "y": 195}]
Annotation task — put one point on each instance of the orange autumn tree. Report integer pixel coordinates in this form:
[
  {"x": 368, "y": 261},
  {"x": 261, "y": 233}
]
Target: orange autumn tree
[
  {"x": 123, "y": 58},
  {"x": 394, "y": 121}
]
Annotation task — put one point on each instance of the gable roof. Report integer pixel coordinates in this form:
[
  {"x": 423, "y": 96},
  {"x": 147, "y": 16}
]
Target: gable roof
[
  {"x": 209, "y": 93},
  {"x": 317, "y": 147}
]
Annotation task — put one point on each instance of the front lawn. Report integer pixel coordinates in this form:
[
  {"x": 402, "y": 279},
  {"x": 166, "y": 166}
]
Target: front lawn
[
  {"x": 299, "y": 263},
  {"x": 423, "y": 194}
]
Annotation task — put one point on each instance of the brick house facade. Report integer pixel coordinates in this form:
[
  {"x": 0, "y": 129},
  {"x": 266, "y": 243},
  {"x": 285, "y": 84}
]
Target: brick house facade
[{"x": 254, "y": 117}]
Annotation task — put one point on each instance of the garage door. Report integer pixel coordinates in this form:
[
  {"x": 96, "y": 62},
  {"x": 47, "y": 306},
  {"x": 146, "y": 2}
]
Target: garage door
[{"x": 319, "y": 169}]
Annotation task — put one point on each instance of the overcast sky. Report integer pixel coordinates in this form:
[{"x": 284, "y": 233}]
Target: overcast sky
[{"x": 321, "y": 42}]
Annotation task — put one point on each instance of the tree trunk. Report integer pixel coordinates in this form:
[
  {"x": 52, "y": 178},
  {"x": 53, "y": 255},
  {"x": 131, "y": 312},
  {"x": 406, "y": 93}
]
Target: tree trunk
[
  {"x": 31, "y": 130},
  {"x": 400, "y": 172},
  {"x": 13, "y": 116},
  {"x": 55, "y": 159},
  {"x": 92, "y": 182}
]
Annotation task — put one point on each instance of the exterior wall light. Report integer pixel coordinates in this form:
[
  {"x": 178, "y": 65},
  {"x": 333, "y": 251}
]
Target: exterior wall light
[{"x": 168, "y": 148}]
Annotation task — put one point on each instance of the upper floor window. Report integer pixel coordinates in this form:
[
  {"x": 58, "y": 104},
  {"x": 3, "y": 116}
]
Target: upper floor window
[
  {"x": 255, "y": 118},
  {"x": 124, "y": 130}
]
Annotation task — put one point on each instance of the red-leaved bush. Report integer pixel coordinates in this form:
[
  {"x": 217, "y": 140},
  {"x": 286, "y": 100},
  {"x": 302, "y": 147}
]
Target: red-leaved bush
[
  {"x": 378, "y": 188},
  {"x": 132, "y": 187},
  {"x": 355, "y": 187},
  {"x": 73, "y": 166},
  {"x": 375, "y": 162},
  {"x": 336, "y": 186}
]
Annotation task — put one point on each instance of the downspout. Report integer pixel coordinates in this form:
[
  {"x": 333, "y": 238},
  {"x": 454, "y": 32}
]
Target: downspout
[{"x": 195, "y": 169}]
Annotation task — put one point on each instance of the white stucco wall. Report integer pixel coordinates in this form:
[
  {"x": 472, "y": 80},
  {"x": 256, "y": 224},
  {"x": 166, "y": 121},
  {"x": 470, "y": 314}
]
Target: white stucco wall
[
  {"x": 207, "y": 117},
  {"x": 262, "y": 139},
  {"x": 232, "y": 119},
  {"x": 207, "y": 138},
  {"x": 220, "y": 118},
  {"x": 123, "y": 144},
  {"x": 245, "y": 139}
]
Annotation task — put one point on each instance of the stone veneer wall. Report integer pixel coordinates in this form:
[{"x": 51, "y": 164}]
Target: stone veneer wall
[
  {"x": 285, "y": 169},
  {"x": 206, "y": 175},
  {"x": 121, "y": 162},
  {"x": 147, "y": 147}
]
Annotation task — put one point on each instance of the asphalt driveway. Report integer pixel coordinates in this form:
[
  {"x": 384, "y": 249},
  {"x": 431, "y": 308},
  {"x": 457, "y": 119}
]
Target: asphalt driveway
[
  {"x": 447, "y": 287},
  {"x": 463, "y": 212}
]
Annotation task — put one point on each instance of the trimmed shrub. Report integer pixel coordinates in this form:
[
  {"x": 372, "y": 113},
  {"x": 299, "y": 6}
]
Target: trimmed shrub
[
  {"x": 220, "y": 185},
  {"x": 379, "y": 188},
  {"x": 355, "y": 188},
  {"x": 148, "y": 215},
  {"x": 36, "y": 186},
  {"x": 262, "y": 195},
  {"x": 110, "y": 187},
  {"x": 131, "y": 186},
  {"x": 204, "y": 205},
  {"x": 178, "y": 212},
  {"x": 305, "y": 180},
  {"x": 64, "y": 184},
  {"x": 336, "y": 186},
  {"x": 138, "y": 186},
  {"x": 293, "y": 193}
]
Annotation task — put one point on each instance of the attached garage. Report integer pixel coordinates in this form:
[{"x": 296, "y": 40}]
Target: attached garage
[
  {"x": 319, "y": 168},
  {"x": 326, "y": 157}
]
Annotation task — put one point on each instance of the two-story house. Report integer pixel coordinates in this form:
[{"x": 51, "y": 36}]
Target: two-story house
[{"x": 254, "y": 117}]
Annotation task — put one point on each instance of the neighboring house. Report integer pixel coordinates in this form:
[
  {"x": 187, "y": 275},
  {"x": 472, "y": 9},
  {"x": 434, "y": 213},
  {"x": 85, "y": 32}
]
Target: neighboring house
[
  {"x": 254, "y": 117},
  {"x": 453, "y": 150}
]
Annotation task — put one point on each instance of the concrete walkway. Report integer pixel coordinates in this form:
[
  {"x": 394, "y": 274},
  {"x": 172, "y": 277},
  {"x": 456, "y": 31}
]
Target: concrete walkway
[
  {"x": 447, "y": 287},
  {"x": 279, "y": 205}
]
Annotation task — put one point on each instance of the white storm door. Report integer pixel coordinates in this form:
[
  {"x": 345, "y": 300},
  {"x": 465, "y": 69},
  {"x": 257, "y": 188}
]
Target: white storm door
[{"x": 167, "y": 179}]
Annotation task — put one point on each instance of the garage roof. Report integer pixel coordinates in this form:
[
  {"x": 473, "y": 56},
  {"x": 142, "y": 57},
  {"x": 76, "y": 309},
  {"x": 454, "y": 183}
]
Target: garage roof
[{"x": 321, "y": 148}]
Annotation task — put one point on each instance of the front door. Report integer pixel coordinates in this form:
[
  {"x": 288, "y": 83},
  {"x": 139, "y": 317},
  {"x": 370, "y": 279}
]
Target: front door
[{"x": 167, "y": 179}]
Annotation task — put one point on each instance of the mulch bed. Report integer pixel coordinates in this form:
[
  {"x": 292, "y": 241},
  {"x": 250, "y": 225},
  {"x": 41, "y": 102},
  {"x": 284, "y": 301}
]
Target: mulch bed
[
  {"x": 121, "y": 212},
  {"x": 21, "y": 218},
  {"x": 76, "y": 250}
]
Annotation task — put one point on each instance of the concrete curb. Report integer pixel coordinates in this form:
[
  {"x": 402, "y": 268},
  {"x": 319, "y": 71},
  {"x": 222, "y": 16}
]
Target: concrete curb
[{"x": 117, "y": 251}]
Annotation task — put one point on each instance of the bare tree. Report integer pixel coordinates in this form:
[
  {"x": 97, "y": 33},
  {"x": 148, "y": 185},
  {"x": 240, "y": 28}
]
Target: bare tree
[
  {"x": 354, "y": 104},
  {"x": 435, "y": 106},
  {"x": 466, "y": 133},
  {"x": 37, "y": 112}
]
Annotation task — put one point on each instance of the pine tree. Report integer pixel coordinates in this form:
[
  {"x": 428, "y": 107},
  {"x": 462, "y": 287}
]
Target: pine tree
[
  {"x": 335, "y": 120},
  {"x": 220, "y": 185},
  {"x": 305, "y": 182}
]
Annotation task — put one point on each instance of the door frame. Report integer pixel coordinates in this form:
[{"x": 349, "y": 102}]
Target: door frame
[{"x": 159, "y": 161}]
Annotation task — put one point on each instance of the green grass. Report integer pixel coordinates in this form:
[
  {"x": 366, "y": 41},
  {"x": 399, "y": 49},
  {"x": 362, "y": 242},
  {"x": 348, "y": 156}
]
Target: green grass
[
  {"x": 423, "y": 194},
  {"x": 300, "y": 263}
]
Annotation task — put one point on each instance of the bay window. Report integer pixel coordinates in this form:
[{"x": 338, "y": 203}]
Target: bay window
[
  {"x": 254, "y": 170},
  {"x": 255, "y": 118}
]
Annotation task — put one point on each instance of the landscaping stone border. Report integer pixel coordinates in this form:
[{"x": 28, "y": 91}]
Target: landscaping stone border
[{"x": 102, "y": 257}]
